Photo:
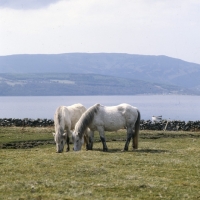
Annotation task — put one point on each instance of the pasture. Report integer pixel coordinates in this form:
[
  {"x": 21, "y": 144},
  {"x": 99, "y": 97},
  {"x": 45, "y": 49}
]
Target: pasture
[{"x": 165, "y": 166}]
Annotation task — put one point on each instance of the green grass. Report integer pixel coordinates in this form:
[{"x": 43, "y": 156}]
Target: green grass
[
  {"x": 163, "y": 168},
  {"x": 19, "y": 134}
]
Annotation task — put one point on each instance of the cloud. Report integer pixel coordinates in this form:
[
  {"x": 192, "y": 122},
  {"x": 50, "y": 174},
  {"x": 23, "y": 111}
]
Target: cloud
[
  {"x": 26, "y": 4},
  {"x": 148, "y": 27}
]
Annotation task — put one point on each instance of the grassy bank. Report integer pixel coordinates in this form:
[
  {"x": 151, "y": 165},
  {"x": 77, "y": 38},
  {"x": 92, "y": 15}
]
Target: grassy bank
[{"x": 166, "y": 166}]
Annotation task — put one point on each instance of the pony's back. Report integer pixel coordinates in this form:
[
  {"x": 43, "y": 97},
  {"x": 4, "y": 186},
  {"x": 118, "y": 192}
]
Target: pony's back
[{"x": 75, "y": 112}]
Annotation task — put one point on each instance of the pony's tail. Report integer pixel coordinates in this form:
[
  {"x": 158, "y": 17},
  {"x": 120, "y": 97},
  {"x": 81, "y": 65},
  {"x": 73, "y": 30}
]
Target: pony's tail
[{"x": 136, "y": 134}]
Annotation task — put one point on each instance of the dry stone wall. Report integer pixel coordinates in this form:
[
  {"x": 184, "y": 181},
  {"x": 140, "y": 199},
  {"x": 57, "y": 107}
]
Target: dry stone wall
[
  {"x": 170, "y": 125},
  {"x": 26, "y": 122},
  {"x": 144, "y": 124}
]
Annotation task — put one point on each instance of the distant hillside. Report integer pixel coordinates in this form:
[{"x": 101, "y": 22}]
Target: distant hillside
[
  {"x": 79, "y": 84},
  {"x": 154, "y": 69}
]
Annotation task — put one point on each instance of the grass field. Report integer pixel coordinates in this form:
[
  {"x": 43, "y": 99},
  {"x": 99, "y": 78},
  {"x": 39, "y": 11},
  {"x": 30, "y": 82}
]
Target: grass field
[{"x": 166, "y": 166}]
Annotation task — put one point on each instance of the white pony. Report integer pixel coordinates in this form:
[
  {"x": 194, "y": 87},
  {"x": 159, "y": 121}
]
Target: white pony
[
  {"x": 101, "y": 118},
  {"x": 65, "y": 118}
]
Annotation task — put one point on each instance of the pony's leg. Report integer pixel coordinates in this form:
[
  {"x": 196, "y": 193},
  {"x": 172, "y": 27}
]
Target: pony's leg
[
  {"x": 68, "y": 148},
  {"x": 135, "y": 140},
  {"x": 67, "y": 140},
  {"x": 86, "y": 140},
  {"x": 91, "y": 140},
  {"x": 103, "y": 139},
  {"x": 128, "y": 138}
]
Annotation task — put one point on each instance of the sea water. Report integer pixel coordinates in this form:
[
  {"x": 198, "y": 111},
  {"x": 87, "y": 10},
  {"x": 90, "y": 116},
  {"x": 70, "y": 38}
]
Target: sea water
[{"x": 173, "y": 107}]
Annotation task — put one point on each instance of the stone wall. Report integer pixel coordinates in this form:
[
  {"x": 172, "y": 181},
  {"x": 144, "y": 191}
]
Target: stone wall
[
  {"x": 144, "y": 124},
  {"x": 170, "y": 125},
  {"x": 26, "y": 122}
]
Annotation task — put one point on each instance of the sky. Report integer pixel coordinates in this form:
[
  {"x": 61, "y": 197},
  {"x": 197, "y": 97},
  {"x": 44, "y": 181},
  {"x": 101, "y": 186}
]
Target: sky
[{"x": 146, "y": 27}]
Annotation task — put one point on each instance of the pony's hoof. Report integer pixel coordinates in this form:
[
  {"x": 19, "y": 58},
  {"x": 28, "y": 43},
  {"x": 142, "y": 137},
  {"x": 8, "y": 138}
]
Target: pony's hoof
[
  {"x": 88, "y": 147},
  {"x": 105, "y": 150}
]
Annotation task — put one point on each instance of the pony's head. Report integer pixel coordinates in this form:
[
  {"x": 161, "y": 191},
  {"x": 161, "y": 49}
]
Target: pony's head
[
  {"x": 60, "y": 140},
  {"x": 78, "y": 140}
]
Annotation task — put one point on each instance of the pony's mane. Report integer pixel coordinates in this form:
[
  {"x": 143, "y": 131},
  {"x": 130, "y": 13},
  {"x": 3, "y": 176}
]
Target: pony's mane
[{"x": 86, "y": 119}]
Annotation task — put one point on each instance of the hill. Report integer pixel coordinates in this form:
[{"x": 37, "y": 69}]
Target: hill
[
  {"x": 79, "y": 84},
  {"x": 161, "y": 71}
]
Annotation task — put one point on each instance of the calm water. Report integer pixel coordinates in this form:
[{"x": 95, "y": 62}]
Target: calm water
[{"x": 174, "y": 107}]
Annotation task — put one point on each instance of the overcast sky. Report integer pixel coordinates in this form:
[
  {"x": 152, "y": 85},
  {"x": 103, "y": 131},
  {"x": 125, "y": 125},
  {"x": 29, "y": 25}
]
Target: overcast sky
[{"x": 147, "y": 27}]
